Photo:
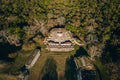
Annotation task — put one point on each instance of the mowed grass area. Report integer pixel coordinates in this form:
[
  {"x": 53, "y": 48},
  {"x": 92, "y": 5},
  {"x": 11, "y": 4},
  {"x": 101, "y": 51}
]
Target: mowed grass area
[
  {"x": 21, "y": 58},
  {"x": 59, "y": 57},
  {"x": 7, "y": 77},
  {"x": 20, "y": 61},
  {"x": 4, "y": 76}
]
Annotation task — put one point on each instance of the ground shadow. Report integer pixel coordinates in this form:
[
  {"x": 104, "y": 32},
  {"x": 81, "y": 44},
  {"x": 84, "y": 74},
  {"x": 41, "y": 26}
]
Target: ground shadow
[
  {"x": 81, "y": 52},
  {"x": 89, "y": 75},
  {"x": 37, "y": 34},
  {"x": 5, "y": 49},
  {"x": 111, "y": 53},
  {"x": 49, "y": 70},
  {"x": 70, "y": 69},
  {"x": 58, "y": 26}
]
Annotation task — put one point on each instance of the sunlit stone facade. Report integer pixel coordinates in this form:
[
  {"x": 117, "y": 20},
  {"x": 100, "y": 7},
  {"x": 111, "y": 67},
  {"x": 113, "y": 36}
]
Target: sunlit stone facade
[{"x": 59, "y": 39}]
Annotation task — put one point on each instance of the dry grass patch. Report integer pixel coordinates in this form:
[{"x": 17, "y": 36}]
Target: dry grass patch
[
  {"x": 28, "y": 46},
  {"x": 7, "y": 77}
]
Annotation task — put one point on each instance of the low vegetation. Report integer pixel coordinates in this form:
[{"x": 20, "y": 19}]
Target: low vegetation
[{"x": 23, "y": 22}]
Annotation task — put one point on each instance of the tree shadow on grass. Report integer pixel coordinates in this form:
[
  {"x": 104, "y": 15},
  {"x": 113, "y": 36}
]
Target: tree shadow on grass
[
  {"x": 70, "y": 69},
  {"x": 81, "y": 52},
  {"x": 49, "y": 70},
  {"x": 6, "y": 49}
]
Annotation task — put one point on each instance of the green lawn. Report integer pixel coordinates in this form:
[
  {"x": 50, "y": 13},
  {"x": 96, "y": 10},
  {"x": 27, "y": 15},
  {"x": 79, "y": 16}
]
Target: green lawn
[
  {"x": 14, "y": 67},
  {"x": 23, "y": 56},
  {"x": 59, "y": 57}
]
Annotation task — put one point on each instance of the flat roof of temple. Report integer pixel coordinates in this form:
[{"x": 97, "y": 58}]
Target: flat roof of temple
[{"x": 59, "y": 35}]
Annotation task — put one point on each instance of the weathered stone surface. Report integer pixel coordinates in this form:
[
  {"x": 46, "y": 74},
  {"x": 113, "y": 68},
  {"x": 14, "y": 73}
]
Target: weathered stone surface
[{"x": 59, "y": 39}]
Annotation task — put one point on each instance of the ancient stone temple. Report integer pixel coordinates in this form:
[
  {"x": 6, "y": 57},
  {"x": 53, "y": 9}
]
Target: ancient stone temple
[{"x": 59, "y": 39}]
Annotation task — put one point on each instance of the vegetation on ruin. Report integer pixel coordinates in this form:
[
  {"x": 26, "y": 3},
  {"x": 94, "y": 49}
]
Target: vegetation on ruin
[{"x": 25, "y": 23}]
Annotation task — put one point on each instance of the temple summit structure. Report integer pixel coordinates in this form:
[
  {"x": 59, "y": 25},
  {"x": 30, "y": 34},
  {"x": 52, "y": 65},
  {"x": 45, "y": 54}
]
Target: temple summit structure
[{"x": 60, "y": 40}]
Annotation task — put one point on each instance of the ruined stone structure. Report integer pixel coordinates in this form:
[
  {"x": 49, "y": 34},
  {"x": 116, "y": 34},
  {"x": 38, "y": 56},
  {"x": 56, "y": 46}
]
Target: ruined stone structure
[{"x": 59, "y": 39}]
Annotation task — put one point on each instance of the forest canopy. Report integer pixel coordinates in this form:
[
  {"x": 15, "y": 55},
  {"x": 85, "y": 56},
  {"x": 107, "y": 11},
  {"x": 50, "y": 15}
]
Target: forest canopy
[{"x": 97, "y": 21}]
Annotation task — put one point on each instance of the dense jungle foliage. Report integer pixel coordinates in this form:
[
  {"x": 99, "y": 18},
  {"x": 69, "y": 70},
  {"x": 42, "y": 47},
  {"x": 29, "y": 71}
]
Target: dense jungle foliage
[{"x": 96, "y": 21}]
